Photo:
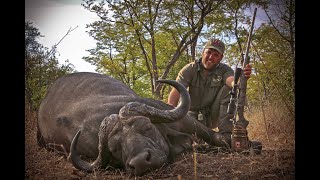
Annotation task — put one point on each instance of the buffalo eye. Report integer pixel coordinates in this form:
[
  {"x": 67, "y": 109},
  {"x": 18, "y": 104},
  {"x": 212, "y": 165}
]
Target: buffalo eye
[{"x": 148, "y": 156}]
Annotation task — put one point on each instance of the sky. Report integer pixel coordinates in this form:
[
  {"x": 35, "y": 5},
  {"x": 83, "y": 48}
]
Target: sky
[{"x": 54, "y": 18}]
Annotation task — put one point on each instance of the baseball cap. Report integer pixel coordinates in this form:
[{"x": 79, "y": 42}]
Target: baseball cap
[{"x": 215, "y": 44}]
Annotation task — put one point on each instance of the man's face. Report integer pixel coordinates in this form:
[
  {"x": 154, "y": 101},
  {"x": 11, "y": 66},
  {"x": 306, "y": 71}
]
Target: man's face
[{"x": 210, "y": 58}]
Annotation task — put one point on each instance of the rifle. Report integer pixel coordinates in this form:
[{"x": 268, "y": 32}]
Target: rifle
[{"x": 239, "y": 138}]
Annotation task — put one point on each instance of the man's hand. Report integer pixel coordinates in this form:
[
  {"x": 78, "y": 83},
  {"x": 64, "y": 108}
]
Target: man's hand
[
  {"x": 230, "y": 79},
  {"x": 247, "y": 71}
]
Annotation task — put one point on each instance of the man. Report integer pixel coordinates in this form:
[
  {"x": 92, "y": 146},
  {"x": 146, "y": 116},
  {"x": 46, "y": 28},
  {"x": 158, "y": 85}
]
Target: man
[{"x": 209, "y": 82}]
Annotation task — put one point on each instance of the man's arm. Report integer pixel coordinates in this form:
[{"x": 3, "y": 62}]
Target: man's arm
[
  {"x": 173, "y": 98},
  {"x": 184, "y": 77}
]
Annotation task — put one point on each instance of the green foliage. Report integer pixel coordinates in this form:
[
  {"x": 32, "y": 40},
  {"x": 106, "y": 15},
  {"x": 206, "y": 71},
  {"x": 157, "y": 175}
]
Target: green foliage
[
  {"x": 159, "y": 35},
  {"x": 273, "y": 63},
  {"x": 142, "y": 41},
  {"x": 41, "y": 67}
]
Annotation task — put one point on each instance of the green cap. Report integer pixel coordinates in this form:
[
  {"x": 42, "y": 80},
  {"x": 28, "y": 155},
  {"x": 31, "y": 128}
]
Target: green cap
[{"x": 215, "y": 44}]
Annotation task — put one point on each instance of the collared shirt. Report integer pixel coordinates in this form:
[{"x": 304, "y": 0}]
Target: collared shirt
[{"x": 203, "y": 90}]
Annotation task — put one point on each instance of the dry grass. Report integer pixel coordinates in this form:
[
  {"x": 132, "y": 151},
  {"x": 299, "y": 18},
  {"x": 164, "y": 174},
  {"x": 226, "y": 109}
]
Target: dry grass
[
  {"x": 276, "y": 129},
  {"x": 277, "y": 160}
]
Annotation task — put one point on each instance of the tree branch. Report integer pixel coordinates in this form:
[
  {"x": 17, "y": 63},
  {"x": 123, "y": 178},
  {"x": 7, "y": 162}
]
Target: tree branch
[{"x": 55, "y": 46}]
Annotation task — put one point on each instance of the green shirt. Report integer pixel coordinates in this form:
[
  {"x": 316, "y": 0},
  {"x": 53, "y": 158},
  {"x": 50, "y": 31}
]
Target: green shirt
[{"x": 203, "y": 90}]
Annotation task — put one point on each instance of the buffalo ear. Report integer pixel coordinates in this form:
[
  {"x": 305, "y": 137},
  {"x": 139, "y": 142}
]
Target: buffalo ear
[{"x": 178, "y": 141}]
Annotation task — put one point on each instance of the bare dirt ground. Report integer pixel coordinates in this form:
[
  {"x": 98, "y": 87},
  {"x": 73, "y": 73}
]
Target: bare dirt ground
[{"x": 276, "y": 161}]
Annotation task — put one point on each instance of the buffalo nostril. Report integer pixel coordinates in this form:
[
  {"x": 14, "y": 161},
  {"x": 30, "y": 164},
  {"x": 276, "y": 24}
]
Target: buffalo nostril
[
  {"x": 130, "y": 166},
  {"x": 140, "y": 163}
]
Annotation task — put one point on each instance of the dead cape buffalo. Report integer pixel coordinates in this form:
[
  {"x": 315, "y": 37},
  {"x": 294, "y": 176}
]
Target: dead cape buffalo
[{"x": 99, "y": 117}]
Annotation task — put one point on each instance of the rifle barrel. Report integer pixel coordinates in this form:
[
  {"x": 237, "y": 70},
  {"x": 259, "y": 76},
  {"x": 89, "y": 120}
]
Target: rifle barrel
[{"x": 246, "y": 59}]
